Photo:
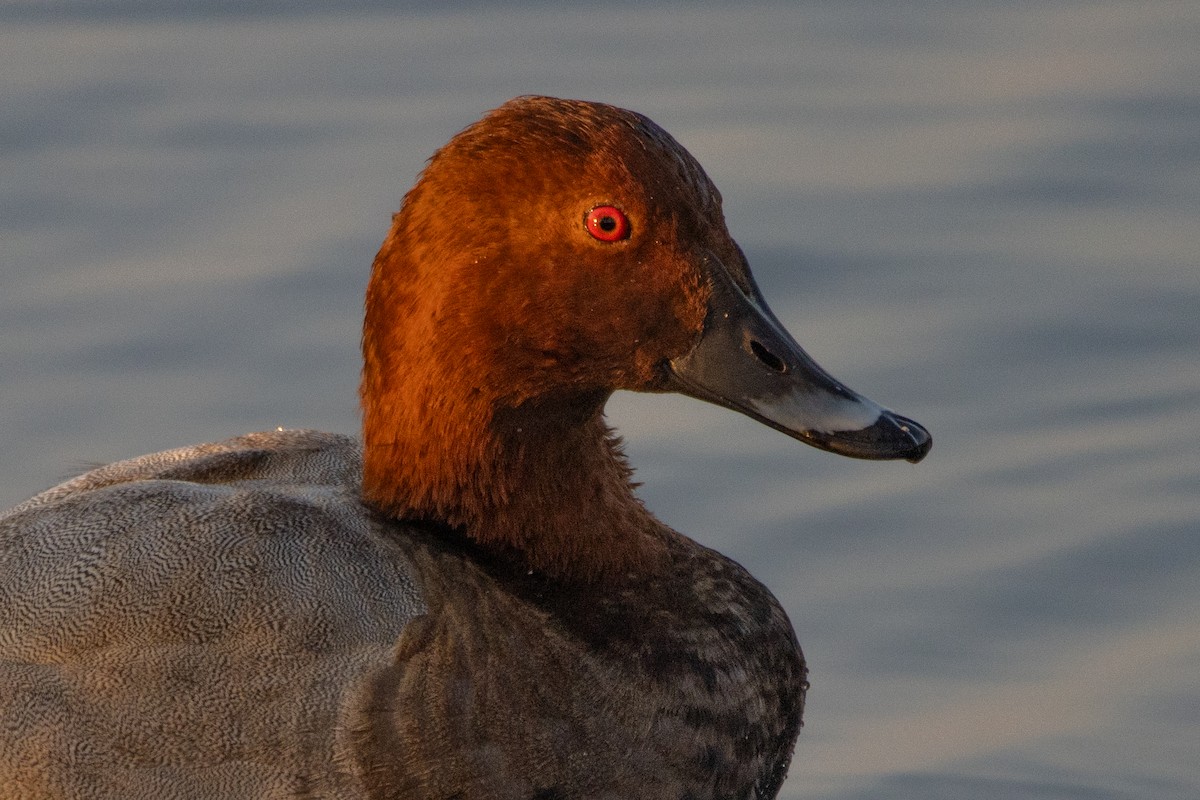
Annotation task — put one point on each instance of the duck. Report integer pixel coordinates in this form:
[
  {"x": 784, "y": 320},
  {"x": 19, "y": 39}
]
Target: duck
[{"x": 468, "y": 600}]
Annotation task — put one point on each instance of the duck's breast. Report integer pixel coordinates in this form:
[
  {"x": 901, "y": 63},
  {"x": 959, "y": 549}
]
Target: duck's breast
[{"x": 686, "y": 684}]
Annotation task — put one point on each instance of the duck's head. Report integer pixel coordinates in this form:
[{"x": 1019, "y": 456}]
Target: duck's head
[{"x": 554, "y": 252}]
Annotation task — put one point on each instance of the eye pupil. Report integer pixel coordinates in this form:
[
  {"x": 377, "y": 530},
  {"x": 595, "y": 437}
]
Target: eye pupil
[{"x": 607, "y": 223}]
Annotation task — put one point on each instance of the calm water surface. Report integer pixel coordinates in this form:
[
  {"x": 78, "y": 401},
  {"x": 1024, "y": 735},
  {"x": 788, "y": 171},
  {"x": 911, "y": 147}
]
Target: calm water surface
[{"x": 984, "y": 215}]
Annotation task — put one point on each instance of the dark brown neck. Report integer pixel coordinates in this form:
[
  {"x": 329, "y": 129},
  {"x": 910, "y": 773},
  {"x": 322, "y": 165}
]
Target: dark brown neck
[{"x": 544, "y": 484}]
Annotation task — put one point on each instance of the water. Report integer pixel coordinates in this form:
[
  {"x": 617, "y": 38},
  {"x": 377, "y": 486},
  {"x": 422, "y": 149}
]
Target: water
[{"x": 984, "y": 215}]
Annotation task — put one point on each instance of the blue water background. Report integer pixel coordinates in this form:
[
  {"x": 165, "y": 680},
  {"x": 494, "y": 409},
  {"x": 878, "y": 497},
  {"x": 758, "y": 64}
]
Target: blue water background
[{"x": 984, "y": 215}]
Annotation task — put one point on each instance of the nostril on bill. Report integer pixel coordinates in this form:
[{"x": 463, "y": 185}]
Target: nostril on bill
[{"x": 768, "y": 358}]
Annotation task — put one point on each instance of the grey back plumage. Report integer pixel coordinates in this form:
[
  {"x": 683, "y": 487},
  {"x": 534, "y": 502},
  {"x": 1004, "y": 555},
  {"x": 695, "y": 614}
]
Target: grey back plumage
[{"x": 191, "y": 624}]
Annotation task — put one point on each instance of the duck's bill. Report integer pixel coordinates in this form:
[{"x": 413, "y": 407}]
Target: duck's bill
[{"x": 746, "y": 360}]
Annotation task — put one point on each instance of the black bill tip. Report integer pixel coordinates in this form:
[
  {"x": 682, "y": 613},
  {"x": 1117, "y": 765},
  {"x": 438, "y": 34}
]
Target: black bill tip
[{"x": 891, "y": 436}]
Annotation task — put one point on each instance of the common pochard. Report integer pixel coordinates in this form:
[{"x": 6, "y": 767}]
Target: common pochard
[{"x": 471, "y": 603}]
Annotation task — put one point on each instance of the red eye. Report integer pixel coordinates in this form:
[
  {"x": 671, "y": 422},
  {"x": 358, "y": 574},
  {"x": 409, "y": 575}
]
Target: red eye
[{"x": 607, "y": 223}]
